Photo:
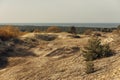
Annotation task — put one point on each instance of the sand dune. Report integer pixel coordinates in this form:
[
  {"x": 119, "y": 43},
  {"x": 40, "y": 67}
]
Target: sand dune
[{"x": 60, "y": 59}]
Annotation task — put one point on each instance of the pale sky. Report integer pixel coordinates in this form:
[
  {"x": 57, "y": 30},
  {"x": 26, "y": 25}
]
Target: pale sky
[{"x": 59, "y": 11}]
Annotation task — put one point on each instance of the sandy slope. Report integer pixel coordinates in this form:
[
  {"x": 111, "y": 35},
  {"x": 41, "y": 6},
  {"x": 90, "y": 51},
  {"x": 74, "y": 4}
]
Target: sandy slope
[{"x": 61, "y": 59}]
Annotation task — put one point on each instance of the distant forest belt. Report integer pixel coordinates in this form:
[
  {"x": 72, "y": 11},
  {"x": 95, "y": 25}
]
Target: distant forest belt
[{"x": 63, "y": 28}]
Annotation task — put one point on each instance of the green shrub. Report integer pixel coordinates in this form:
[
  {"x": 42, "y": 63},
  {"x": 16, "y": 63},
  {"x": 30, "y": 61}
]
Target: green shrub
[
  {"x": 89, "y": 67},
  {"x": 72, "y": 30},
  {"x": 106, "y": 51},
  {"x": 95, "y": 50}
]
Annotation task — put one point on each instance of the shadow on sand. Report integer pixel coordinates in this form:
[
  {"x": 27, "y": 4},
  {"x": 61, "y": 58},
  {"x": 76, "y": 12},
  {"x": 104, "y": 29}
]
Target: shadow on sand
[{"x": 12, "y": 51}]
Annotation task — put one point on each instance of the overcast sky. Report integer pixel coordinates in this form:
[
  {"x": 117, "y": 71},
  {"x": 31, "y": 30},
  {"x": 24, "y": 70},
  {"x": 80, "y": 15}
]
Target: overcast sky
[{"x": 59, "y": 11}]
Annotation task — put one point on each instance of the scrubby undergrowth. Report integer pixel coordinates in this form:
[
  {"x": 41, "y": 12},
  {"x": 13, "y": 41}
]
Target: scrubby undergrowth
[{"x": 9, "y": 32}]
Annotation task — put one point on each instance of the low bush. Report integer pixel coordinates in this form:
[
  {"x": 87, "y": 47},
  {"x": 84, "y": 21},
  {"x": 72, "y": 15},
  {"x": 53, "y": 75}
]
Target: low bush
[
  {"x": 53, "y": 29},
  {"x": 9, "y": 32},
  {"x": 95, "y": 50},
  {"x": 72, "y": 30}
]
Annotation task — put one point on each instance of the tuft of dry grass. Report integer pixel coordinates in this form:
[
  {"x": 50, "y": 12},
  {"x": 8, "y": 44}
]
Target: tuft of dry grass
[
  {"x": 53, "y": 29},
  {"x": 8, "y": 32}
]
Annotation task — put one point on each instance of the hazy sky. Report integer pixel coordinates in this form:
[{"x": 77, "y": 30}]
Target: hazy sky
[{"x": 83, "y": 11}]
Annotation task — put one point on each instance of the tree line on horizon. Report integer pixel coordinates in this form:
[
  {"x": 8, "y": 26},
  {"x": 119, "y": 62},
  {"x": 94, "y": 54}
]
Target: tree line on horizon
[{"x": 63, "y": 28}]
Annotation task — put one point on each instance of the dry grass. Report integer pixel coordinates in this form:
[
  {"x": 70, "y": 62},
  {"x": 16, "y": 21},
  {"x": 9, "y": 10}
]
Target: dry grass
[
  {"x": 69, "y": 67},
  {"x": 117, "y": 31},
  {"x": 88, "y": 32},
  {"x": 53, "y": 29},
  {"x": 37, "y": 30},
  {"x": 8, "y": 32}
]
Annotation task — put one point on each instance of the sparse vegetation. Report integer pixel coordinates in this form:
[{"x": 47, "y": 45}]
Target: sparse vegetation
[
  {"x": 117, "y": 31},
  {"x": 46, "y": 37},
  {"x": 36, "y": 30},
  {"x": 72, "y": 30},
  {"x": 88, "y": 32},
  {"x": 118, "y": 27},
  {"x": 74, "y": 36},
  {"x": 95, "y": 50},
  {"x": 53, "y": 29},
  {"x": 89, "y": 67},
  {"x": 59, "y": 49},
  {"x": 97, "y": 34},
  {"x": 9, "y": 32}
]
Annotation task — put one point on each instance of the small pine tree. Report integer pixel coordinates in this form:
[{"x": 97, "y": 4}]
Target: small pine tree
[
  {"x": 73, "y": 30},
  {"x": 92, "y": 49},
  {"x": 95, "y": 50}
]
